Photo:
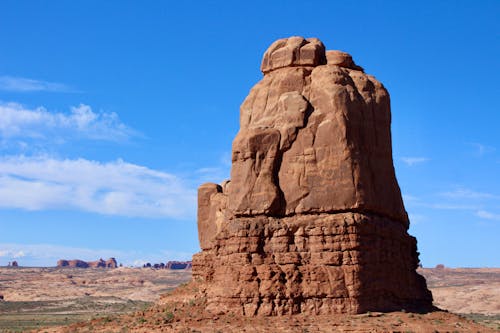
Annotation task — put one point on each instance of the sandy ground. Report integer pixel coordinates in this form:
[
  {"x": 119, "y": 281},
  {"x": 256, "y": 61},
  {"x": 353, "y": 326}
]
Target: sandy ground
[
  {"x": 49, "y": 284},
  {"x": 465, "y": 290}
]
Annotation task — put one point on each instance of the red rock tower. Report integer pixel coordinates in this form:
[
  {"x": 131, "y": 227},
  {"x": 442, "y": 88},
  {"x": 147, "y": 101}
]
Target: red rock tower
[{"x": 312, "y": 220}]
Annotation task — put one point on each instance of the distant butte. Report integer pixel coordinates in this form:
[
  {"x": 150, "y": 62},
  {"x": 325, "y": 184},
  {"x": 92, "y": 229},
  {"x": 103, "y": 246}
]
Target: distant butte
[
  {"x": 312, "y": 220},
  {"x": 76, "y": 263}
]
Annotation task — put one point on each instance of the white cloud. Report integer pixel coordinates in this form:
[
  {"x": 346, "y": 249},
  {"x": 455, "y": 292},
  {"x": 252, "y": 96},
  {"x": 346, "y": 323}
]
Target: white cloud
[
  {"x": 48, "y": 254},
  {"x": 487, "y": 215},
  {"x": 215, "y": 174},
  {"x": 17, "y": 121},
  {"x": 11, "y": 253},
  {"x": 463, "y": 193},
  {"x": 460, "y": 199},
  {"x": 452, "y": 206},
  {"x": 457, "y": 199},
  {"x": 226, "y": 159},
  {"x": 140, "y": 262},
  {"x": 482, "y": 149},
  {"x": 414, "y": 160},
  {"x": 410, "y": 198},
  {"x": 114, "y": 188},
  {"x": 417, "y": 218},
  {"x": 20, "y": 84},
  {"x": 212, "y": 175}
]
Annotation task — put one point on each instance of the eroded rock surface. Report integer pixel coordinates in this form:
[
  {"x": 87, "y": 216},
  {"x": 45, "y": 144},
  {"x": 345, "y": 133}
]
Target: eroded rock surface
[{"x": 312, "y": 219}]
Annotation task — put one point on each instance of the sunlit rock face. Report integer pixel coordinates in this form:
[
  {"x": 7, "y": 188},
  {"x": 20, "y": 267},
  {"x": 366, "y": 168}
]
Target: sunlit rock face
[{"x": 312, "y": 220}]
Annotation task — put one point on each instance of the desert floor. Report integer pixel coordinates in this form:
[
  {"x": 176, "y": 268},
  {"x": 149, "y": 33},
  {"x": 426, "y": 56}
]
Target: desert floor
[
  {"x": 128, "y": 300},
  {"x": 41, "y": 297}
]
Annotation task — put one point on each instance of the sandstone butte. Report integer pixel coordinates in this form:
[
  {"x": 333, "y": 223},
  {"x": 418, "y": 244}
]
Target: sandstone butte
[
  {"x": 312, "y": 220},
  {"x": 76, "y": 263}
]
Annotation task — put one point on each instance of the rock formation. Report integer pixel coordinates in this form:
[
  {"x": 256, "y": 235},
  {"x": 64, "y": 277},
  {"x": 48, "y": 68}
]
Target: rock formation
[
  {"x": 169, "y": 265},
  {"x": 178, "y": 265},
  {"x": 312, "y": 219},
  {"x": 76, "y": 263}
]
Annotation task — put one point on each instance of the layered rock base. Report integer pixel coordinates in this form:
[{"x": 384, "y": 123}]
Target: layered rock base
[{"x": 313, "y": 264}]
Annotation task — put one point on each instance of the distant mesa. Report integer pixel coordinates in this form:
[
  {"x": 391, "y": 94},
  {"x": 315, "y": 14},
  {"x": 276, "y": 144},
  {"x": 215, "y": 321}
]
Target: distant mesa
[
  {"x": 178, "y": 265},
  {"x": 170, "y": 265},
  {"x": 76, "y": 263},
  {"x": 13, "y": 264},
  {"x": 440, "y": 266}
]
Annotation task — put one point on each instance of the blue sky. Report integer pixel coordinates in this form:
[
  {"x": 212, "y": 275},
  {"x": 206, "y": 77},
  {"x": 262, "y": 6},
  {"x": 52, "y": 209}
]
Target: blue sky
[{"x": 112, "y": 113}]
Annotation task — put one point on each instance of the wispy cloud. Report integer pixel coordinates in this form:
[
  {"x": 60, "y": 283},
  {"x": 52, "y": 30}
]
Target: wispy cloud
[
  {"x": 474, "y": 203},
  {"x": 11, "y": 253},
  {"x": 226, "y": 159},
  {"x": 488, "y": 215},
  {"x": 48, "y": 254},
  {"x": 19, "y": 122},
  {"x": 417, "y": 218},
  {"x": 430, "y": 202},
  {"x": 452, "y": 206},
  {"x": 411, "y": 161},
  {"x": 212, "y": 174},
  {"x": 21, "y": 84},
  {"x": 113, "y": 188},
  {"x": 217, "y": 173},
  {"x": 457, "y": 199},
  {"x": 410, "y": 198},
  {"x": 482, "y": 149},
  {"x": 463, "y": 193}
]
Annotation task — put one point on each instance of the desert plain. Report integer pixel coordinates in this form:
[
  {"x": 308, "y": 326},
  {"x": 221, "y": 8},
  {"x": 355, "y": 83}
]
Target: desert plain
[{"x": 143, "y": 300}]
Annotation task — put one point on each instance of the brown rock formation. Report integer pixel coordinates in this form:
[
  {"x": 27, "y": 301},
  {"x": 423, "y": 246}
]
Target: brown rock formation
[
  {"x": 312, "y": 220},
  {"x": 76, "y": 263},
  {"x": 110, "y": 263},
  {"x": 293, "y": 51},
  {"x": 178, "y": 265},
  {"x": 170, "y": 265}
]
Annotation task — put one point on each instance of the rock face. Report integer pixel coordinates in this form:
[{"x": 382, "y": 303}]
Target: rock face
[
  {"x": 312, "y": 219},
  {"x": 72, "y": 263},
  {"x": 178, "y": 265},
  {"x": 110, "y": 263}
]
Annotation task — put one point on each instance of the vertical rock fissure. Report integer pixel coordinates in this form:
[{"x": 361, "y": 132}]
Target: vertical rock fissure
[{"x": 279, "y": 159}]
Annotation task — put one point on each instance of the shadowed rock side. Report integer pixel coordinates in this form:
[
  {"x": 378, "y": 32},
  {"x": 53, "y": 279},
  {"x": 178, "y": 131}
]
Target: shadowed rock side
[{"x": 312, "y": 220}]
